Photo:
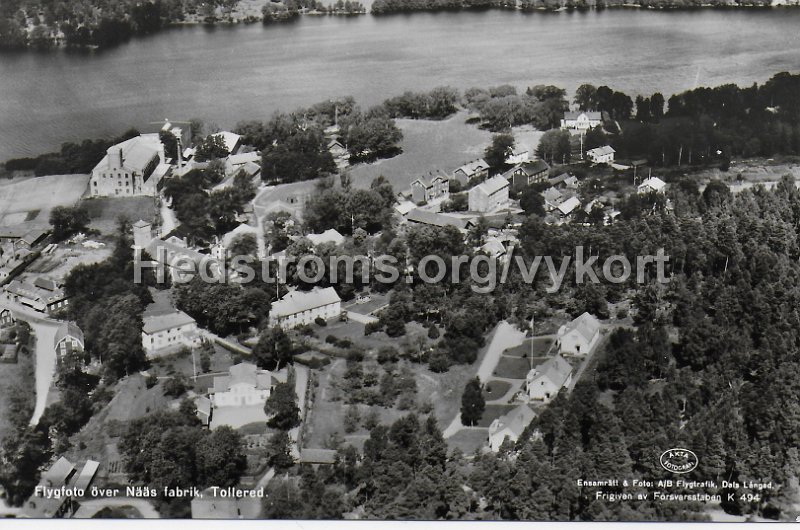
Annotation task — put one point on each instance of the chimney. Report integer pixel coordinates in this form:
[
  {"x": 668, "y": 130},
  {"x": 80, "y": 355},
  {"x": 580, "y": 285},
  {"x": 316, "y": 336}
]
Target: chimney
[{"x": 121, "y": 159}]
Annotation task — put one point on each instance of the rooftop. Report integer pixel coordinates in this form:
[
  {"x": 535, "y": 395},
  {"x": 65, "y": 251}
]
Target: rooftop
[
  {"x": 295, "y": 302},
  {"x": 156, "y": 323},
  {"x": 492, "y": 185},
  {"x": 586, "y": 325},
  {"x": 556, "y": 369}
]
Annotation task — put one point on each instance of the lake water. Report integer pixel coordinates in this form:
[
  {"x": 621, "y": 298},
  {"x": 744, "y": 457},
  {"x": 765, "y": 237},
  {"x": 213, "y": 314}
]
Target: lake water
[{"x": 247, "y": 72}]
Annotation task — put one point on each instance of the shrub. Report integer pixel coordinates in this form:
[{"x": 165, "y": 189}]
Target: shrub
[
  {"x": 320, "y": 322},
  {"x": 330, "y": 339},
  {"x": 433, "y": 332}
]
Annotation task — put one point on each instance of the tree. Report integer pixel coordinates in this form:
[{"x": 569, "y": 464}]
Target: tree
[
  {"x": 499, "y": 150},
  {"x": 210, "y": 148},
  {"x": 170, "y": 143},
  {"x": 351, "y": 418},
  {"x": 586, "y": 97},
  {"x": 282, "y": 407},
  {"x": 472, "y": 403},
  {"x": 273, "y": 349},
  {"x": 220, "y": 458},
  {"x": 68, "y": 220},
  {"x": 371, "y": 135},
  {"x": 279, "y": 451},
  {"x": 555, "y": 146},
  {"x": 532, "y": 201},
  {"x": 244, "y": 245}
]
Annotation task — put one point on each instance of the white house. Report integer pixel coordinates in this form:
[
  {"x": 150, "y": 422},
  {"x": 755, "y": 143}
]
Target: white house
[
  {"x": 581, "y": 121},
  {"x": 330, "y": 235},
  {"x": 130, "y": 168},
  {"x": 544, "y": 381},
  {"x": 303, "y": 307},
  {"x": 489, "y": 195},
  {"x": 652, "y": 184},
  {"x": 509, "y": 426},
  {"x": 518, "y": 156},
  {"x": 580, "y": 335},
  {"x": 165, "y": 333},
  {"x": 239, "y": 397},
  {"x": 601, "y": 155}
]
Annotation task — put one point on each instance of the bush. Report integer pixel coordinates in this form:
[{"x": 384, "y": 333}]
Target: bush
[
  {"x": 388, "y": 354},
  {"x": 372, "y": 327},
  {"x": 439, "y": 362},
  {"x": 320, "y": 322},
  {"x": 175, "y": 386},
  {"x": 330, "y": 339},
  {"x": 433, "y": 332},
  {"x": 151, "y": 381}
]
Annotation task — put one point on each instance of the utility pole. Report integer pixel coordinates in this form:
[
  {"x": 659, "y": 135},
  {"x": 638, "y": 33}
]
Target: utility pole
[{"x": 530, "y": 355}]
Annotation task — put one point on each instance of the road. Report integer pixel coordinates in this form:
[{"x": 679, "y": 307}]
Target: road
[
  {"x": 44, "y": 330},
  {"x": 505, "y": 336},
  {"x": 89, "y": 508}
]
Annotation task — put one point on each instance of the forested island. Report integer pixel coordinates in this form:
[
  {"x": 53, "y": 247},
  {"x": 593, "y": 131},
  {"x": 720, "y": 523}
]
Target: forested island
[{"x": 38, "y": 24}]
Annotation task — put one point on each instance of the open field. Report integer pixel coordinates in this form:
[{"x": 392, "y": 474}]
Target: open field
[
  {"x": 427, "y": 146},
  {"x": 18, "y": 201},
  {"x": 105, "y": 211}
]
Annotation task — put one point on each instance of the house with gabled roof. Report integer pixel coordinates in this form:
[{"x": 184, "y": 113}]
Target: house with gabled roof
[
  {"x": 489, "y": 195},
  {"x": 579, "y": 336},
  {"x": 41, "y": 294},
  {"x": 652, "y": 184},
  {"x": 477, "y": 169},
  {"x": 167, "y": 332},
  {"x": 527, "y": 173},
  {"x": 601, "y": 155},
  {"x": 304, "y": 307},
  {"x": 426, "y": 217},
  {"x": 544, "y": 382},
  {"x": 510, "y": 426},
  {"x": 68, "y": 340},
  {"x": 238, "y": 398},
  {"x": 581, "y": 120},
  {"x": 429, "y": 188}
]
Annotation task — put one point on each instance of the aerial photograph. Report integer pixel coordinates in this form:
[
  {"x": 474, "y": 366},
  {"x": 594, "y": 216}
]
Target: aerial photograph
[{"x": 400, "y": 260}]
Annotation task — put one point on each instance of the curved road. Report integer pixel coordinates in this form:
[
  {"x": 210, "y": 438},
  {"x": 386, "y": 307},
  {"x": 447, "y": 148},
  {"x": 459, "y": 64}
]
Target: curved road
[{"x": 44, "y": 330}]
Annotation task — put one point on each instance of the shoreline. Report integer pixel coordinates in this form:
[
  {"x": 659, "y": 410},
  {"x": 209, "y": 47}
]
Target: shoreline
[{"x": 58, "y": 44}]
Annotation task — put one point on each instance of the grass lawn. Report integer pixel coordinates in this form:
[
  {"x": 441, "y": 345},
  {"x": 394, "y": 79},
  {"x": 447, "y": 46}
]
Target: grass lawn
[
  {"x": 427, "y": 146},
  {"x": 492, "y": 412},
  {"x": 14, "y": 377},
  {"x": 468, "y": 440},
  {"x": 540, "y": 348},
  {"x": 104, "y": 211},
  {"x": 515, "y": 367},
  {"x": 498, "y": 389}
]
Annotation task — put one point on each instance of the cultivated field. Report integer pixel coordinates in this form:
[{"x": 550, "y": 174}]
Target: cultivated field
[{"x": 32, "y": 199}]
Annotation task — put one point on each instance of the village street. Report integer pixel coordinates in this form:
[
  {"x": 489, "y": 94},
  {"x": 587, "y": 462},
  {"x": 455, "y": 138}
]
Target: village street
[{"x": 44, "y": 330}]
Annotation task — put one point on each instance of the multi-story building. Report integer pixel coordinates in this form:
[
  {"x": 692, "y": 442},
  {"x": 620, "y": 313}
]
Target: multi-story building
[
  {"x": 581, "y": 121},
  {"x": 303, "y": 307},
  {"x": 165, "y": 333},
  {"x": 131, "y": 168},
  {"x": 489, "y": 195}
]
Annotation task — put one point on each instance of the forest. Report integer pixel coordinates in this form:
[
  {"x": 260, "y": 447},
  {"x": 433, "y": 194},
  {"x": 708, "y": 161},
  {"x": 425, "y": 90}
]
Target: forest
[{"x": 711, "y": 363}]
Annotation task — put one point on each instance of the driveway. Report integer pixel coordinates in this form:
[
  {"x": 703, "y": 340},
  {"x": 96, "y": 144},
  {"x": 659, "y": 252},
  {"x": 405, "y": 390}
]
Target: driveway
[{"x": 505, "y": 336}]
